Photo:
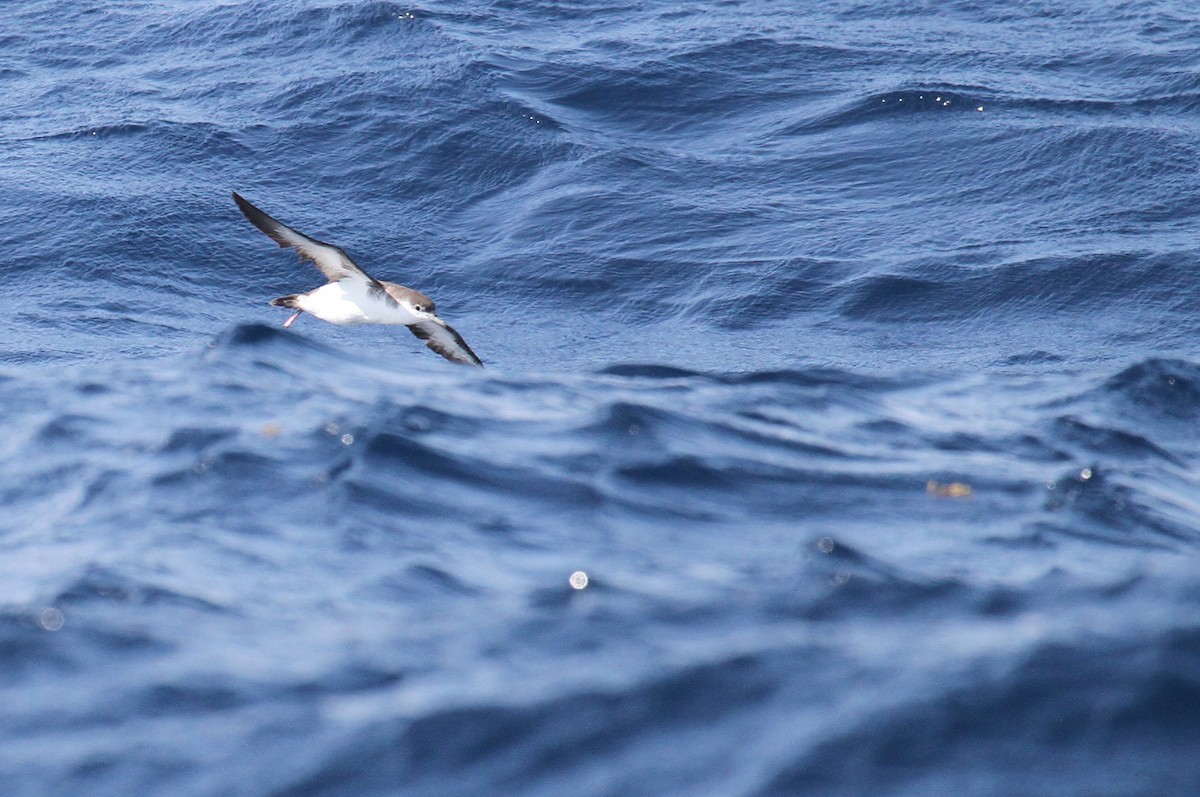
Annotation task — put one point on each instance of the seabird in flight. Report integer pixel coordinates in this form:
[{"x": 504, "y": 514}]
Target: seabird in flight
[{"x": 352, "y": 296}]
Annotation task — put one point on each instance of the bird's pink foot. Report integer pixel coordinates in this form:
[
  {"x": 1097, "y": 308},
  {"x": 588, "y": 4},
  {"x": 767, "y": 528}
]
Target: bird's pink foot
[{"x": 292, "y": 319}]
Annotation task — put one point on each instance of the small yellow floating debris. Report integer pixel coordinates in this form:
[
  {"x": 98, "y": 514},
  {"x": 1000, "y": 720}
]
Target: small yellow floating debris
[{"x": 948, "y": 490}]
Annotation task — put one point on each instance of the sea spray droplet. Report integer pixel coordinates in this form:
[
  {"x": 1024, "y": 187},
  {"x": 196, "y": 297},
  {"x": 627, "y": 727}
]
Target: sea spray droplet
[{"x": 51, "y": 619}]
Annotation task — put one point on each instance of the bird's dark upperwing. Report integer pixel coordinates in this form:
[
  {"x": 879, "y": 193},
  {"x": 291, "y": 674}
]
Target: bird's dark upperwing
[
  {"x": 330, "y": 260},
  {"x": 441, "y": 338}
]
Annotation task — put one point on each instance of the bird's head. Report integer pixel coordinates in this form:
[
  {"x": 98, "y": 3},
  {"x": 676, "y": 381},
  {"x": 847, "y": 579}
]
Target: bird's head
[
  {"x": 420, "y": 305},
  {"x": 414, "y": 302}
]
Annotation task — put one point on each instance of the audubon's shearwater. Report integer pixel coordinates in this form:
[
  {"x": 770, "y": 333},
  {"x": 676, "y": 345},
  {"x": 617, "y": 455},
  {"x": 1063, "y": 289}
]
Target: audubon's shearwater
[{"x": 352, "y": 296}]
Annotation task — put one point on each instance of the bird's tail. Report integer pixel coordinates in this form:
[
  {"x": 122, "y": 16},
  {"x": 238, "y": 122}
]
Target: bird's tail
[{"x": 286, "y": 301}]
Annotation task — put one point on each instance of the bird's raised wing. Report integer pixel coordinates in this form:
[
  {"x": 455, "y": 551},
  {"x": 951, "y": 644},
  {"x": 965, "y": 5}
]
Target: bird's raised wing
[
  {"x": 330, "y": 260},
  {"x": 441, "y": 338}
]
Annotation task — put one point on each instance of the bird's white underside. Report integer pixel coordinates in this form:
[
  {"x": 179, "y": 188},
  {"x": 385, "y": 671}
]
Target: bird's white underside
[{"x": 351, "y": 301}]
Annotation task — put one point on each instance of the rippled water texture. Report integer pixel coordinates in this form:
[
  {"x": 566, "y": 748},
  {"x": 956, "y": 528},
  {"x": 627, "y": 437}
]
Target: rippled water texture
[{"x": 838, "y": 432}]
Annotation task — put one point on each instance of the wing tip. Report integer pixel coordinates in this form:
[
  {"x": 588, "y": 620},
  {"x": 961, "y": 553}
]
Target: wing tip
[
  {"x": 246, "y": 206},
  {"x": 272, "y": 227},
  {"x": 467, "y": 357},
  {"x": 475, "y": 361}
]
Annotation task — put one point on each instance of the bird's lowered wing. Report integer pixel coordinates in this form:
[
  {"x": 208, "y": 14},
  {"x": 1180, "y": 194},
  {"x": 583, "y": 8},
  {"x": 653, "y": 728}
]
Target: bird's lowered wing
[{"x": 441, "y": 338}]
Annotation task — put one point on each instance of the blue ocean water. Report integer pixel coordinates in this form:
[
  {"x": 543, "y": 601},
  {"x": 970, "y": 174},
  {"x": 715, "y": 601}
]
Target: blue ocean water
[{"x": 849, "y": 349}]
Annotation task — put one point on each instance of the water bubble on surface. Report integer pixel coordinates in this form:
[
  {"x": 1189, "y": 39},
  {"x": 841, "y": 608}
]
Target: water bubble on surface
[{"x": 51, "y": 619}]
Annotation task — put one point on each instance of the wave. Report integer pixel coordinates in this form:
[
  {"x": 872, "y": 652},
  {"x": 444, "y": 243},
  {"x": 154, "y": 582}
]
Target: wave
[
  {"x": 1028, "y": 699},
  {"x": 940, "y": 290}
]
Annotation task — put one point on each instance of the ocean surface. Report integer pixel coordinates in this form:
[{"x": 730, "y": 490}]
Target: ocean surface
[{"x": 838, "y": 433}]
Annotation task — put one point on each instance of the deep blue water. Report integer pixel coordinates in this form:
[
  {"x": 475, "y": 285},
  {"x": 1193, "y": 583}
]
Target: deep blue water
[{"x": 852, "y": 350}]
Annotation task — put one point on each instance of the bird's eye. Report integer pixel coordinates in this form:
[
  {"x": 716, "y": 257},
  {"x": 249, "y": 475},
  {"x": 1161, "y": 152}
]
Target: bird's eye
[{"x": 418, "y": 308}]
